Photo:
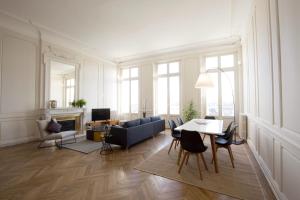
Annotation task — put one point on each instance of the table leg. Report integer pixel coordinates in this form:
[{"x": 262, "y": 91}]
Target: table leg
[{"x": 213, "y": 149}]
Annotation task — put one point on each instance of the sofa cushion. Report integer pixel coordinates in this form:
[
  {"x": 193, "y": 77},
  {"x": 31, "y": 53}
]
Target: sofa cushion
[
  {"x": 155, "y": 118},
  {"x": 132, "y": 123},
  {"x": 145, "y": 120},
  {"x": 53, "y": 127}
]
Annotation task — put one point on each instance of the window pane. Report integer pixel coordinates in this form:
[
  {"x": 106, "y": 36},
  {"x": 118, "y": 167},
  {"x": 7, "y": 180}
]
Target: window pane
[
  {"x": 212, "y": 96},
  {"x": 174, "y": 67},
  {"x": 125, "y": 97},
  {"x": 134, "y": 96},
  {"x": 134, "y": 72},
  {"x": 125, "y": 73},
  {"x": 211, "y": 62},
  {"x": 162, "y": 69},
  {"x": 174, "y": 95},
  {"x": 68, "y": 82},
  {"x": 227, "y": 61},
  {"x": 227, "y": 96},
  {"x": 162, "y": 98},
  {"x": 72, "y": 81}
]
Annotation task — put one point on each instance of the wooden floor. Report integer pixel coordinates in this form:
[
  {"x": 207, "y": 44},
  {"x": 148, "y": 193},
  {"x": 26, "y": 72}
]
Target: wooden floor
[{"x": 30, "y": 173}]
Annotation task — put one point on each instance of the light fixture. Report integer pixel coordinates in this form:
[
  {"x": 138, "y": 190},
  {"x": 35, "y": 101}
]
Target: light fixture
[{"x": 204, "y": 81}]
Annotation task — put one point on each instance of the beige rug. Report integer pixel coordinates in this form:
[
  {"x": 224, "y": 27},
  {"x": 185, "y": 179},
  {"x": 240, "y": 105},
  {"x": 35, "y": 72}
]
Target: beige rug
[{"x": 240, "y": 182}]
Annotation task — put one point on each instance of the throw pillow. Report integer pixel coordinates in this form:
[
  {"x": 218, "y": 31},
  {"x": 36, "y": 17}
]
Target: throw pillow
[
  {"x": 53, "y": 127},
  {"x": 145, "y": 120},
  {"x": 133, "y": 123},
  {"x": 156, "y": 118}
]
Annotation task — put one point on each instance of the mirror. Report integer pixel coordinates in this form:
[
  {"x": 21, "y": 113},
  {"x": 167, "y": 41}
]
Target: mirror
[{"x": 62, "y": 83}]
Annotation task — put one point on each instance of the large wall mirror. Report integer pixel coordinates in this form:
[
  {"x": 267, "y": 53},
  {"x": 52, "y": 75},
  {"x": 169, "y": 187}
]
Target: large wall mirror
[{"x": 62, "y": 83}]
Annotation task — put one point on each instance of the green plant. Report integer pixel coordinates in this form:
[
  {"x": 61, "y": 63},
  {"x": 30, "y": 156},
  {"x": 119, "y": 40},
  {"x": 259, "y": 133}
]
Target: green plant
[
  {"x": 73, "y": 103},
  {"x": 190, "y": 112},
  {"x": 80, "y": 103}
]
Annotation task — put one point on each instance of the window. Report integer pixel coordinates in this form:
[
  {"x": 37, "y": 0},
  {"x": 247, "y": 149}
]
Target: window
[
  {"x": 220, "y": 98},
  {"x": 167, "y": 89},
  {"x": 130, "y": 90},
  {"x": 69, "y": 91}
]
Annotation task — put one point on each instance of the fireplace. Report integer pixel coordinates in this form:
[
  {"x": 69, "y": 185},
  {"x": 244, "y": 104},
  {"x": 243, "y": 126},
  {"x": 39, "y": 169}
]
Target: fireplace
[
  {"x": 69, "y": 118},
  {"x": 67, "y": 125}
]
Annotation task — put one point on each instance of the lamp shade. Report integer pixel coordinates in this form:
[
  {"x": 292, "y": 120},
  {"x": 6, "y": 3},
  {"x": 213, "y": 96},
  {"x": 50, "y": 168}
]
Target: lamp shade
[{"x": 204, "y": 81}]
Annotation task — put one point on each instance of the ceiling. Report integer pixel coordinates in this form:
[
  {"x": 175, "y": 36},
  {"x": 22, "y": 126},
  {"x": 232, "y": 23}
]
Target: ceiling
[{"x": 120, "y": 28}]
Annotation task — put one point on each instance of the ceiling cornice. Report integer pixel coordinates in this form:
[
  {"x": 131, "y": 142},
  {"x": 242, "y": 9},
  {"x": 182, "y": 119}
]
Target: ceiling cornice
[
  {"x": 31, "y": 29},
  {"x": 184, "y": 49}
]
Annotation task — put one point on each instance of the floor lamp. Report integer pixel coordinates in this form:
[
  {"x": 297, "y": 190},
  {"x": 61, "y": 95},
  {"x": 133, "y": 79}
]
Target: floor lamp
[{"x": 204, "y": 81}]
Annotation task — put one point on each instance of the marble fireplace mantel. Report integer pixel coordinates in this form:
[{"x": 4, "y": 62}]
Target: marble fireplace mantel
[{"x": 66, "y": 112}]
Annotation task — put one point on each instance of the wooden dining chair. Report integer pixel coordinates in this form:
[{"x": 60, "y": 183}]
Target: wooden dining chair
[
  {"x": 208, "y": 117},
  {"x": 225, "y": 141},
  {"x": 175, "y": 134},
  {"x": 191, "y": 143}
]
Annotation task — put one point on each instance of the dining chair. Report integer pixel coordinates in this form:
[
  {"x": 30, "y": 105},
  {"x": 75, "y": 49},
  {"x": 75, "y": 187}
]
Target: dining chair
[
  {"x": 225, "y": 141},
  {"x": 208, "y": 117},
  {"x": 192, "y": 143},
  {"x": 175, "y": 134},
  {"x": 180, "y": 121}
]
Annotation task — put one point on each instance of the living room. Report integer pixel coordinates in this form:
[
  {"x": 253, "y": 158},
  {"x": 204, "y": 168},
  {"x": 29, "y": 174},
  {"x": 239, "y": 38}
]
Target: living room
[{"x": 144, "y": 65}]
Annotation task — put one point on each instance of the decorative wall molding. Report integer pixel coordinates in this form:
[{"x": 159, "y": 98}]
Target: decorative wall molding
[{"x": 275, "y": 146}]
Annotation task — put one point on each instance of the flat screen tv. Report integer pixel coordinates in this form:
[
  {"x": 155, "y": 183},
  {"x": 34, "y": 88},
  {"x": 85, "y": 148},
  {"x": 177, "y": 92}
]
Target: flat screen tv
[{"x": 100, "y": 114}]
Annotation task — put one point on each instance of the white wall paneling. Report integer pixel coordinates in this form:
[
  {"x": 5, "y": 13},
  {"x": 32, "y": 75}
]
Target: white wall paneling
[
  {"x": 271, "y": 74},
  {"x": 24, "y": 89}
]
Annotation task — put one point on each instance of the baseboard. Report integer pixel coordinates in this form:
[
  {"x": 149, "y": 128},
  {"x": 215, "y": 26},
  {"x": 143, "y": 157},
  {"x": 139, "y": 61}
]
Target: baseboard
[
  {"x": 18, "y": 141},
  {"x": 272, "y": 183}
]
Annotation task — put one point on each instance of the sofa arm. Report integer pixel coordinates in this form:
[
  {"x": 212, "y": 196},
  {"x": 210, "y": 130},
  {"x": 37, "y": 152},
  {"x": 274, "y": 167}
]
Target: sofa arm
[{"x": 118, "y": 136}]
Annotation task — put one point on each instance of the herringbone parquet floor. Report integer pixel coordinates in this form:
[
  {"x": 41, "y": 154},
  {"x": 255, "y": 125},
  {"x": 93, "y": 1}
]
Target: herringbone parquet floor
[{"x": 30, "y": 173}]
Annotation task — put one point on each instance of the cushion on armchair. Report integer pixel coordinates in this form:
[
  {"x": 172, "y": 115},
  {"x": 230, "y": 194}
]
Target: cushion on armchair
[{"x": 53, "y": 127}]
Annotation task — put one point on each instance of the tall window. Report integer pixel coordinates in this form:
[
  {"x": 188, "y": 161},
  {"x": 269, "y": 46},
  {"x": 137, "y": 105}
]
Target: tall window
[
  {"x": 168, "y": 89},
  {"x": 220, "y": 99},
  {"x": 69, "y": 91},
  {"x": 130, "y": 90}
]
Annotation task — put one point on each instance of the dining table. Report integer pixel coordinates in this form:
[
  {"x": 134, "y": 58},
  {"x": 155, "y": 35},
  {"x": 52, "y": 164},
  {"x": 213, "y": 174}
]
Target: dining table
[{"x": 210, "y": 127}]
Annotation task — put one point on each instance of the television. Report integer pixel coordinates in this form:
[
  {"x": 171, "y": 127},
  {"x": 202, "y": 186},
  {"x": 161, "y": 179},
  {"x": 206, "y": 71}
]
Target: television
[{"x": 100, "y": 114}]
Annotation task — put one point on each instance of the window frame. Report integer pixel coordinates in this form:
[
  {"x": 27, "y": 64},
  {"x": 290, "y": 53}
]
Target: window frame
[
  {"x": 130, "y": 79},
  {"x": 168, "y": 75},
  {"x": 219, "y": 70}
]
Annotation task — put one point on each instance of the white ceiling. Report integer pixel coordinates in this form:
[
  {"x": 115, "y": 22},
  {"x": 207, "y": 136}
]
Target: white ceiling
[{"x": 119, "y": 28}]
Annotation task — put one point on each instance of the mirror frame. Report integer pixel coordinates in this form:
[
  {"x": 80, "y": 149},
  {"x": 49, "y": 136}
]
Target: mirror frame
[{"x": 47, "y": 75}]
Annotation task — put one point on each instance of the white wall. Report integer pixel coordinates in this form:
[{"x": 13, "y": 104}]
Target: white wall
[
  {"x": 22, "y": 81},
  {"x": 271, "y": 92}
]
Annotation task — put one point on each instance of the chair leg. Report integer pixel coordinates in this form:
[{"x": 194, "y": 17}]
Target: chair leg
[
  {"x": 179, "y": 155},
  {"x": 75, "y": 139},
  {"x": 171, "y": 146},
  {"x": 231, "y": 155},
  {"x": 203, "y": 137},
  {"x": 181, "y": 164},
  {"x": 203, "y": 160},
  {"x": 198, "y": 162},
  {"x": 212, "y": 160},
  {"x": 176, "y": 143},
  {"x": 187, "y": 158}
]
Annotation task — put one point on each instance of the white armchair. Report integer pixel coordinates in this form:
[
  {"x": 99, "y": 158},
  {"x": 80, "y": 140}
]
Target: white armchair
[{"x": 45, "y": 135}]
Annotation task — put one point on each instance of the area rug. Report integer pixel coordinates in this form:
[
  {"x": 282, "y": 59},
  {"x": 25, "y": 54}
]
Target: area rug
[
  {"x": 239, "y": 182},
  {"x": 83, "y": 145}
]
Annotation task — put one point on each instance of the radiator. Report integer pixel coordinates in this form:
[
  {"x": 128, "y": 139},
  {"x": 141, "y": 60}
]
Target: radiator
[{"x": 243, "y": 126}]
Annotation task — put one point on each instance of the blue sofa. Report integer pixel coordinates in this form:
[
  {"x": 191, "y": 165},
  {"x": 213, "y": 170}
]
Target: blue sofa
[{"x": 135, "y": 131}]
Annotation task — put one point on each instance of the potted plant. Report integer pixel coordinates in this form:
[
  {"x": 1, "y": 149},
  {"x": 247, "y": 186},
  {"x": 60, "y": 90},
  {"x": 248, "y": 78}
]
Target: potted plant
[
  {"x": 80, "y": 103},
  {"x": 190, "y": 112}
]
